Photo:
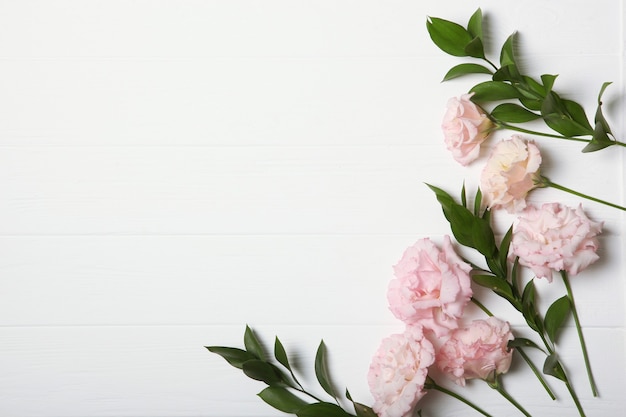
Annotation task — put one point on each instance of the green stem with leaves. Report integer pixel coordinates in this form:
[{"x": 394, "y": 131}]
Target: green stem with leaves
[
  {"x": 482, "y": 239},
  {"x": 531, "y": 316},
  {"x": 583, "y": 345}
]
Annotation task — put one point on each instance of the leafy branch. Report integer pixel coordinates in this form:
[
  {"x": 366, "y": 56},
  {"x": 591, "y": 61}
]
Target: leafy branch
[
  {"x": 284, "y": 392},
  {"x": 536, "y": 98}
]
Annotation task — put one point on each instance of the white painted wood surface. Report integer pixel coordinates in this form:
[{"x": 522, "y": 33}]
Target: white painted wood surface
[{"x": 173, "y": 170}]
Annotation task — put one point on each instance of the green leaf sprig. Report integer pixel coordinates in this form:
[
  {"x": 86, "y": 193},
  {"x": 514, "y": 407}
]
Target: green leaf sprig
[
  {"x": 532, "y": 99},
  {"x": 284, "y": 392}
]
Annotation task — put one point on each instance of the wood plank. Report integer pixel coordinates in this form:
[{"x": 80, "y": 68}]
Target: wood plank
[
  {"x": 307, "y": 279},
  {"x": 165, "y": 371},
  {"x": 69, "y": 28},
  {"x": 255, "y": 190},
  {"x": 252, "y": 101}
]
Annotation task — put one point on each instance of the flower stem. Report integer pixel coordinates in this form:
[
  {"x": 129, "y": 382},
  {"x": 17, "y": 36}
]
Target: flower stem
[
  {"x": 536, "y": 372},
  {"x": 563, "y": 377},
  {"x": 431, "y": 384},
  {"x": 575, "y": 397},
  {"x": 498, "y": 387},
  {"x": 500, "y": 125},
  {"x": 482, "y": 307},
  {"x": 303, "y": 391},
  {"x": 583, "y": 345},
  {"x": 491, "y": 63},
  {"x": 545, "y": 182}
]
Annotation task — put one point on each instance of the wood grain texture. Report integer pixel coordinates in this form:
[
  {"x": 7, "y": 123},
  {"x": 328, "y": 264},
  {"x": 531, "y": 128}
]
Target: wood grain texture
[
  {"x": 173, "y": 170},
  {"x": 165, "y": 371}
]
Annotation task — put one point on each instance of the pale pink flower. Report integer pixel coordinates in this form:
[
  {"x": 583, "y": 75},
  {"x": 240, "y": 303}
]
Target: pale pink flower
[
  {"x": 464, "y": 127},
  {"x": 555, "y": 238},
  {"x": 477, "y": 351},
  {"x": 510, "y": 173},
  {"x": 431, "y": 288},
  {"x": 398, "y": 371}
]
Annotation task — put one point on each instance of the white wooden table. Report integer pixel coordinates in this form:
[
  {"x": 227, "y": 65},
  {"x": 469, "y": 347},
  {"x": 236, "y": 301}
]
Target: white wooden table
[{"x": 173, "y": 170}]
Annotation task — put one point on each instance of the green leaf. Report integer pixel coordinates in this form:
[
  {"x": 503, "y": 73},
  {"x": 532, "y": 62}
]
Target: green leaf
[
  {"x": 510, "y": 73},
  {"x": 282, "y": 399},
  {"x": 322, "y": 409},
  {"x": 503, "y": 251},
  {"x": 528, "y": 307},
  {"x": 548, "y": 82},
  {"x": 468, "y": 229},
  {"x": 464, "y": 69},
  {"x": 523, "y": 343},
  {"x": 493, "y": 91},
  {"x": 496, "y": 284},
  {"x": 507, "y": 54},
  {"x": 599, "y": 115},
  {"x": 514, "y": 276},
  {"x": 513, "y": 113},
  {"x": 360, "y": 409},
  {"x": 475, "y": 48},
  {"x": 576, "y": 112},
  {"x": 477, "y": 202},
  {"x": 252, "y": 344},
  {"x": 483, "y": 238},
  {"x": 528, "y": 296},
  {"x": 463, "y": 196},
  {"x": 262, "y": 371},
  {"x": 475, "y": 24},
  {"x": 486, "y": 215},
  {"x": 565, "y": 126},
  {"x": 508, "y": 64},
  {"x": 600, "y": 138},
  {"x": 552, "y": 104},
  {"x": 602, "y": 89},
  {"x": 321, "y": 370},
  {"x": 555, "y": 316},
  {"x": 531, "y": 104},
  {"x": 280, "y": 354},
  {"x": 502, "y": 74},
  {"x": 553, "y": 367},
  {"x": 564, "y": 116},
  {"x": 532, "y": 88},
  {"x": 450, "y": 37},
  {"x": 234, "y": 356}
]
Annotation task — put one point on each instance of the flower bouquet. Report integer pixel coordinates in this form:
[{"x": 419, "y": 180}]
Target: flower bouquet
[{"x": 433, "y": 283}]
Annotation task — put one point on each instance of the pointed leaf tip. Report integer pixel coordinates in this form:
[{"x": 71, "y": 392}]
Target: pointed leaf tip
[
  {"x": 321, "y": 370},
  {"x": 252, "y": 344}
]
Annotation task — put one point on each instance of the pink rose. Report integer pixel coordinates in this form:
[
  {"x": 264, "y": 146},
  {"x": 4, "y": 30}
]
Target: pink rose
[
  {"x": 555, "y": 238},
  {"x": 398, "y": 371},
  {"x": 477, "y": 351},
  {"x": 510, "y": 173},
  {"x": 431, "y": 288},
  {"x": 464, "y": 127}
]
